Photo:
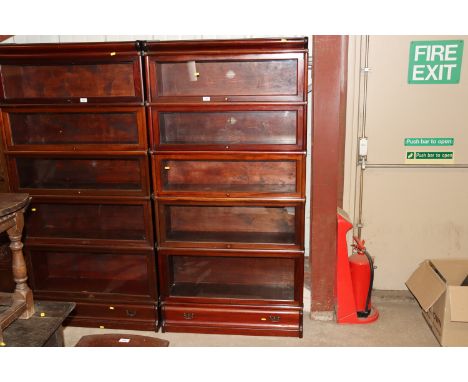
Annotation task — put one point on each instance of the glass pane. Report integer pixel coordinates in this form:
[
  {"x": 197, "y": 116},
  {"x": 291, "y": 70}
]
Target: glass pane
[
  {"x": 73, "y": 128},
  {"x": 233, "y": 176},
  {"x": 66, "y": 81},
  {"x": 90, "y": 272},
  {"x": 235, "y": 78},
  {"x": 87, "y": 221},
  {"x": 234, "y": 127},
  {"x": 231, "y": 224},
  {"x": 65, "y": 174},
  {"x": 232, "y": 277}
]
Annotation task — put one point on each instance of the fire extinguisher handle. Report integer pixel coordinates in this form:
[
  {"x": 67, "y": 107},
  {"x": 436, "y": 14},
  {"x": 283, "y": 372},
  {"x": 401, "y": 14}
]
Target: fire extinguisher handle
[{"x": 359, "y": 244}]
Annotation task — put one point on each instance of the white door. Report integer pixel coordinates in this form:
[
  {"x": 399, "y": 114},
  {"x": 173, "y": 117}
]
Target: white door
[{"x": 411, "y": 209}]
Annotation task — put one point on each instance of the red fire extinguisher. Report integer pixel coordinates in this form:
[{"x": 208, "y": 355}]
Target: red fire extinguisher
[
  {"x": 354, "y": 278},
  {"x": 361, "y": 266}
]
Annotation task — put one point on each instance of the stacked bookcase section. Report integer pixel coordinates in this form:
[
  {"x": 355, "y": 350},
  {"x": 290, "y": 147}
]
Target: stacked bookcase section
[
  {"x": 228, "y": 140},
  {"x": 75, "y": 138}
]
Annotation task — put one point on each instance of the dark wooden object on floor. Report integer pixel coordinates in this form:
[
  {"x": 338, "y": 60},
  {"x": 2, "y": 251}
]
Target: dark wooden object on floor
[
  {"x": 44, "y": 328},
  {"x": 120, "y": 340},
  {"x": 18, "y": 304}
]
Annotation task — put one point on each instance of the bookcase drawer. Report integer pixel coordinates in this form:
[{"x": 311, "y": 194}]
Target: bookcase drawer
[
  {"x": 74, "y": 128},
  {"x": 114, "y": 316},
  {"x": 116, "y": 311},
  {"x": 228, "y": 128},
  {"x": 80, "y": 174},
  {"x": 235, "y": 77},
  {"x": 85, "y": 221},
  {"x": 229, "y": 175},
  {"x": 231, "y": 320},
  {"x": 230, "y": 224}
]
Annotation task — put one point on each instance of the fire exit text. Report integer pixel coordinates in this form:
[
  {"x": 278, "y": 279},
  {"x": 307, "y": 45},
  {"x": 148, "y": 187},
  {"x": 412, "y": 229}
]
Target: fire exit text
[{"x": 435, "y": 62}]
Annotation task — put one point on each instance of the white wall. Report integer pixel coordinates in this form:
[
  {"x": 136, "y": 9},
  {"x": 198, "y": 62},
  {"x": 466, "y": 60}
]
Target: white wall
[
  {"x": 409, "y": 213},
  {"x": 31, "y": 39}
]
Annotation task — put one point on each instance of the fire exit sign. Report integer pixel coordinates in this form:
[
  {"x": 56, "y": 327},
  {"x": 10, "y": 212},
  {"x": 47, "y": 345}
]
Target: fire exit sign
[{"x": 435, "y": 62}]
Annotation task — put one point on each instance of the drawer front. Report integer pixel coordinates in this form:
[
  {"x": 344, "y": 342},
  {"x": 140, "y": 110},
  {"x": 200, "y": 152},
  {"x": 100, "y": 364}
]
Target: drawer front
[
  {"x": 118, "y": 222},
  {"x": 74, "y": 128},
  {"x": 229, "y": 175},
  {"x": 71, "y": 80},
  {"x": 231, "y": 317},
  {"x": 111, "y": 312},
  {"x": 90, "y": 273},
  {"x": 80, "y": 175},
  {"x": 234, "y": 277},
  {"x": 276, "y": 225},
  {"x": 204, "y": 78},
  {"x": 228, "y": 128}
]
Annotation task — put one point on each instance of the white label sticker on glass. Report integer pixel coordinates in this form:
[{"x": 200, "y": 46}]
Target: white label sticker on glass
[
  {"x": 83, "y": 100},
  {"x": 192, "y": 71},
  {"x": 206, "y": 99},
  {"x": 290, "y": 210}
]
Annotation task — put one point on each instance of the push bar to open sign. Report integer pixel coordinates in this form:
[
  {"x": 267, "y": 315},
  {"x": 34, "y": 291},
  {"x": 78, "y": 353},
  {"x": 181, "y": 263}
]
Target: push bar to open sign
[{"x": 433, "y": 155}]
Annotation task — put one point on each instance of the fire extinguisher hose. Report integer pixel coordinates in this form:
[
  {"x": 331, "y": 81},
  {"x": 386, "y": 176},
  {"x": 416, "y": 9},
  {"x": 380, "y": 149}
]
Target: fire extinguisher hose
[{"x": 369, "y": 293}]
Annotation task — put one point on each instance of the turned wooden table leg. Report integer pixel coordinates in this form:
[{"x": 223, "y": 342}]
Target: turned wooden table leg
[{"x": 20, "y": 275}]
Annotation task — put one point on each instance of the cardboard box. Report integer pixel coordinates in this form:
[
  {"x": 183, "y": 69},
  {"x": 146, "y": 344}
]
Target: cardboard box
[{"x": 436, "y": 284}]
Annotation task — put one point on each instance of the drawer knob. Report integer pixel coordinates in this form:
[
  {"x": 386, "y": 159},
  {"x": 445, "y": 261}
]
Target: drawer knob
[
  {"x": 167, "y": 167},
  {"x": 274, "y": 318},
  {"x": 188, "y": 316},
  {"x": 130, "y": 313}
]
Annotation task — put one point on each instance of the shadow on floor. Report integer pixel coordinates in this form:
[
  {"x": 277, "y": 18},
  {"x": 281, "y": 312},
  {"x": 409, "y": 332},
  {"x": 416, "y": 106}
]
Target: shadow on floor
[{"x": 400, "y": 324}]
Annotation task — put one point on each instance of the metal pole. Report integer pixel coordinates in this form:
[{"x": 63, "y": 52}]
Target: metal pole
[{"x": 362, "y": 161}]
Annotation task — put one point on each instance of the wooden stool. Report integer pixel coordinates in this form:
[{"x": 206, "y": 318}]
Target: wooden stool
[
  {"x": 120, "y": 340},
  {"x": 19, "y": 304}
]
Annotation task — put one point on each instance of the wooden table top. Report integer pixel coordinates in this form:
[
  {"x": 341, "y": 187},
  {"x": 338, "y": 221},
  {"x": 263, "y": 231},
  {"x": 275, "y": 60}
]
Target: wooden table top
[{"x": 10, "y": 203}]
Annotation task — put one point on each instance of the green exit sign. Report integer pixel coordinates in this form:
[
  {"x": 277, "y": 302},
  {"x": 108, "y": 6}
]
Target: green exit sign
[{"x": 435, "y": 62}]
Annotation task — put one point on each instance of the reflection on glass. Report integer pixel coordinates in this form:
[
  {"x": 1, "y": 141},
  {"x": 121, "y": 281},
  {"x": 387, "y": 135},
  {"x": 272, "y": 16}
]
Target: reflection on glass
[
  {"x": 234, "y": 78},
  {"x": 93, "y": 174},
  {"x": 90, "y": 272},
  {"x": 232, "y": 277},
  {"x": 66, "y": 81},
  {"x": 235, "y": 127},
  {"x": 229, "y": 176},
  {"x": 231, "y": 224},
  {"x": 41, "y": 128}
]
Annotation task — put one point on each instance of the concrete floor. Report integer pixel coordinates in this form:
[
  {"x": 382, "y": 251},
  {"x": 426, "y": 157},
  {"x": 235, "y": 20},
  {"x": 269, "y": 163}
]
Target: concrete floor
[{"x": 400, "y": 324}]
